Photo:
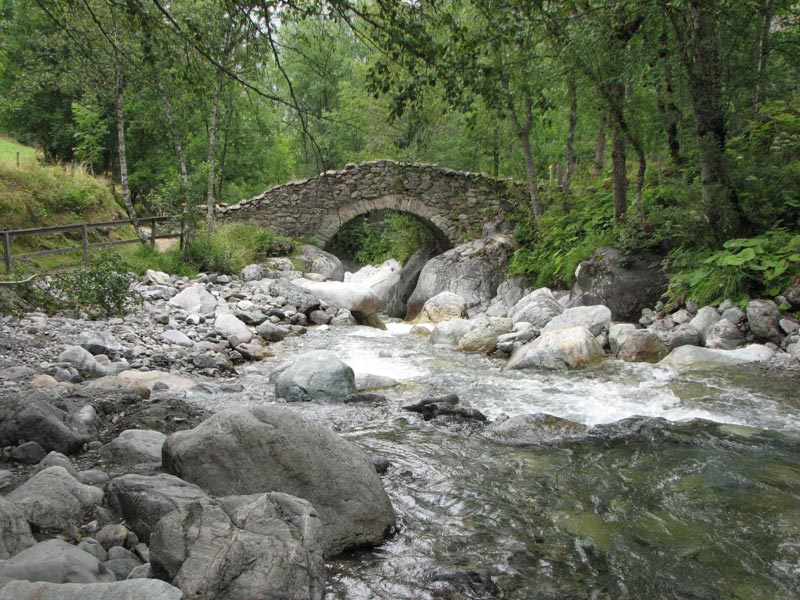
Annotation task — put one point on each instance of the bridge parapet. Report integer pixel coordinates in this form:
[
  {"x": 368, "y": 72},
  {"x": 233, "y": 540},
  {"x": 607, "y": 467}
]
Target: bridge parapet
[{"x": 454, "y": 204}]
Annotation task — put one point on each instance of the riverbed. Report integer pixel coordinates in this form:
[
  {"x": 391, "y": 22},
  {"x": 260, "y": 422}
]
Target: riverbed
[{"x": 686, "y": 485}]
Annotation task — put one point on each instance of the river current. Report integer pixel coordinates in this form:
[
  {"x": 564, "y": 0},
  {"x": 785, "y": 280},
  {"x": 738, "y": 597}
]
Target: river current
[{"x": 687, "y": 485}]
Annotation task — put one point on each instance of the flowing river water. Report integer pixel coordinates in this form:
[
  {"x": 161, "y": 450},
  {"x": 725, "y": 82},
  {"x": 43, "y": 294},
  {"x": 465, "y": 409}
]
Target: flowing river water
[{"x": 686, "y": 485}]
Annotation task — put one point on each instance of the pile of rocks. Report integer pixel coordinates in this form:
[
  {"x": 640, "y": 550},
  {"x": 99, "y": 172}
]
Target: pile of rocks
[
  {"x": 106, "y": 474},
  {"x": 542, "y": 329}
]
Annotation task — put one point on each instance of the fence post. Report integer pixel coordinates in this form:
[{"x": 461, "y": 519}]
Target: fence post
[
  {"x": 153, "y": 232},
  {"x": 85, "y": 241},
  {"x": 7, "y": 251}
]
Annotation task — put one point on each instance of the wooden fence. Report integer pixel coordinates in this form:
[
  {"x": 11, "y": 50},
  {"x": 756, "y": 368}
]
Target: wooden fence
[{"x": 85, "y": 246}]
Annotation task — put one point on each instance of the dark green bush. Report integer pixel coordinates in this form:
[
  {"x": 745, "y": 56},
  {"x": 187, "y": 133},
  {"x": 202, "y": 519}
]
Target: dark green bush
[
  {"x": 744, "y": 268},
  {"x": 101, "y": 290}
]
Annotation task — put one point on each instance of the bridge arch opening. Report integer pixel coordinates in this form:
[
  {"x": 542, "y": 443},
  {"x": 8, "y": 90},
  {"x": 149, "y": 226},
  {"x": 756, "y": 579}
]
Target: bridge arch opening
[{"x": 377, "y": 235}]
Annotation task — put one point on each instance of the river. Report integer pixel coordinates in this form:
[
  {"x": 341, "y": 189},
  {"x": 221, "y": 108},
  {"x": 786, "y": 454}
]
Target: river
[{"x": 686, "y": 486}]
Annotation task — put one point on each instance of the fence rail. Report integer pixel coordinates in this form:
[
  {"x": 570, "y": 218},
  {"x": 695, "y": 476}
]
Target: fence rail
[{"x": 85, "y": 246}]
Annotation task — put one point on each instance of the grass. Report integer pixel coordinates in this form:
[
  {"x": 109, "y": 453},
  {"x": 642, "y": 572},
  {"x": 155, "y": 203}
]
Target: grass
[{"x": 9, "y": 150}]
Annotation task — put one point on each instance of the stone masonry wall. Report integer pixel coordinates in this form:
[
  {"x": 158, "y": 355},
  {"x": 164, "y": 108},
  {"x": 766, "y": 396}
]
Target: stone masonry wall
[{"x": 453, "y": 203}]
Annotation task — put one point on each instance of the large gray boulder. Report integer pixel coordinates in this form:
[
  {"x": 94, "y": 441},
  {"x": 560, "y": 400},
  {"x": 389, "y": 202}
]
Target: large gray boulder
[
  {"x": 625, "y": 287},
  {"x": 398, "y": 295},
  {"x": 253, "y": 273},
  {"x": 143, "y": 500},
  {"x": 241, "y": 548},
  {"x": 27, "y": 417},
  {"x": 83, "y": 360},
  {"x": 303, "y": 300},
  {"x": 642, "y": 346},
  {"x": 134, "y": 446},
  {"x": 537, "y": 308},
  {"x": 54, "y": 501},
  {"x": 252, "y": 450},
  {"x": 575, "y": 347},
  {"x": 703, "y": 320},
  {"x": 15, "y": 533},
  {"x": 764, "y": 316},
  {"x": 443, "y": 307},
  {"x": 139, "y": 589},
  {"x": 617, "y": 334},
  {"x": 594, "y": 318},
  {"x": 724, "y": 335},
  {"x": 195, "y": 299},
  {"x": 318, "y": 261},
  {"x": 483, "y": 338},
  {"x": 100, "y": 342},
  {"x": 509, "y": 293},
  {"x": 55, "y": 561},
  {"x": 473, "y": 270},
  {"x": 318, "y": 375}
]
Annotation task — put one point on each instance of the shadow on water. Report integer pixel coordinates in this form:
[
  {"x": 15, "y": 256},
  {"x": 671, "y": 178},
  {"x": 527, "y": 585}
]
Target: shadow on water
[{"x": 698, "y": 498}]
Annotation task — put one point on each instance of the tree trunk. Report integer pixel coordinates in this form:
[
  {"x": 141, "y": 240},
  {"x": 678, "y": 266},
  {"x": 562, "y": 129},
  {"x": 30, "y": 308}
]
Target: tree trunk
[
  {"x": 619, "y": 176},
  {"x": 569, "y": 152},
  {"x": 667, "y": 108},
  {"x": 600, "y": 147},
  {"x": 523, "y": 132},
  {"x": 212, "y": 148},
  {"x": 697, "y": 46},
  {"x": 496, "y": 153},
  {"x": 763, "y": 51},
  {"x": 640, "y": 155},
  {"x": 720, "y": 203},
  {"x": 615, "y": 96},
  {"x": 119, "y": 114}
]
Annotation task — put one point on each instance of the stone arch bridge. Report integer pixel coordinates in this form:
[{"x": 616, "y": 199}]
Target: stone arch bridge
[{"x": 453, "y": 204}]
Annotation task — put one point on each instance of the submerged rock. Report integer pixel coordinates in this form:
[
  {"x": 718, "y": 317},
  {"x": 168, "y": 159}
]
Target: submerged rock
[{"x": 537, "y": 428}]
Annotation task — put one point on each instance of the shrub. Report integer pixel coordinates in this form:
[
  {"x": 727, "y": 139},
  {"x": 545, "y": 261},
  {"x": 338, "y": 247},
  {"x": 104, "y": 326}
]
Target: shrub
[
  {"x": 101, "y": 289},
  {"x": 749, "y": 267},
  {"x": 234, "y": 245}
]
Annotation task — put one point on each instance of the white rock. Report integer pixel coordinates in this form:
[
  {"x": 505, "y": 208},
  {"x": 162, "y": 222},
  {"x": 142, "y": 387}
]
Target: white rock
[
  {"x": 229, "y": 326},
  {"x": 195, "y": 299},
  {"x": 574, "y": 347},
  {"x": 595, "y": 318},
  {"x": 177, "y": 338},
  {"x": 695, "y": 357}
]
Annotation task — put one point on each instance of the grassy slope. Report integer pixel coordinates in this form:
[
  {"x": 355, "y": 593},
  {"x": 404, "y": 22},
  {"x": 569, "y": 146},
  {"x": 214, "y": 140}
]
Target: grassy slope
[
  {"x": 33, "y": 195},
  {"x": 9, "y": 149}
]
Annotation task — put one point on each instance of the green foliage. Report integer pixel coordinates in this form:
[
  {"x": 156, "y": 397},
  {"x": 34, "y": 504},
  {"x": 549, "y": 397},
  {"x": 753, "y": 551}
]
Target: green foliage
[
  {"x": 233, "y": 246},
  {"x": 375, "y": 238},
  {"x": 749, "y": 267},
  {"x": 9, "y": 150},
  {"x": 90, "y": 131},
  {"x": 101, "y": 289},
  {"x": 33, "y": 195},
  {"x": 767, "y": 155},
  {"x": 551, "y": 248},
  {"x": 141, "y": 257}
]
